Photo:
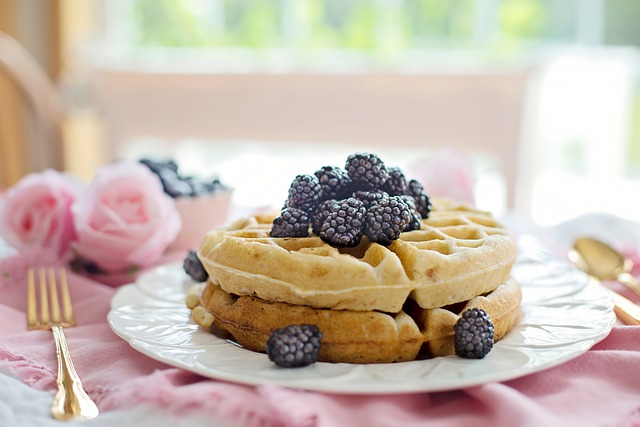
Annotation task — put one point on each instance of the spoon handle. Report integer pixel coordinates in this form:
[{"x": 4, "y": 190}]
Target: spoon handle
[
  {"x": 629, "y": 281},
  {"x": 627, "y": 311}
]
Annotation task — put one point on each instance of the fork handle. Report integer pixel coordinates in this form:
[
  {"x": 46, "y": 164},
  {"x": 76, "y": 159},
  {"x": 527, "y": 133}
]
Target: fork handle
[{"x": 71, "y": 401}]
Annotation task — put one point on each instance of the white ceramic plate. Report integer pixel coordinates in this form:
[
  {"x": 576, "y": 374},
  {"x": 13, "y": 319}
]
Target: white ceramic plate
[{"x": 563, "y": 314}]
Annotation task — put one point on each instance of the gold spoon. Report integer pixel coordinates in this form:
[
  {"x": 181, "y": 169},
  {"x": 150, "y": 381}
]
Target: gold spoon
[
  {"x": 602, "y": 262},
  {"x": 605, "y": 263}
]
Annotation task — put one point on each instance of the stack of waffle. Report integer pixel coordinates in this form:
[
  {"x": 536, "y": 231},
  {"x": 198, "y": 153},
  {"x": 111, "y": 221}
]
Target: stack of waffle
[{"x": 373, "y": 303}]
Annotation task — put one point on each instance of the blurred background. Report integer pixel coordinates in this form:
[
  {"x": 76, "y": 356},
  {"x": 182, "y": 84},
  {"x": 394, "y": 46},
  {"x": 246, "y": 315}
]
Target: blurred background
[{"x": 541, "y": 98}]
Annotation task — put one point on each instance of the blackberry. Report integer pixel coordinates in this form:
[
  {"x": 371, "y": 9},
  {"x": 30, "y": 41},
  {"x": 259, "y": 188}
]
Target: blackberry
[
  {"x": 215, "y": 185},
  {"x": 473, "y": 338},
  {"x": 342, "y": 226},
  {"x": 423, "y": 205},
  {"x": 304, "y": 193},
  {"x": 414, "y": 188},
  {"x": 172, "y": 184},
  {"x": 194, "y": 268},
  {"x": 291, "y": 222},
  {"x": 369, "y": 198},
  {"x": 321, "y": 213},
  {"x": 156, "y": 165},
  {"x": 83, "y": 265},
  {"x": 176, "y": 185},
  {"x": 294, "y": 345},
  {"x": 198, "y": 187},
  {"x": 334, "y": 182},
  {"x": 367, "y": 171},
  {"x": 396, "y": 184},
  {"x": 385, "y": 220},
  {"x": 414, "y": 223}
]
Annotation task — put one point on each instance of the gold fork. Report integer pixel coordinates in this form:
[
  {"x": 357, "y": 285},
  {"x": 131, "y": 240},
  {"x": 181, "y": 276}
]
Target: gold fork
[{"x": 71, "y": 401}]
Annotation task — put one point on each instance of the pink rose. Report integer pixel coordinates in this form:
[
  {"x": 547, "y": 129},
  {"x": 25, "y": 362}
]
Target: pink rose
[
  {"x": 125, "y": 221},
  {"x": 36, "y": 212}
]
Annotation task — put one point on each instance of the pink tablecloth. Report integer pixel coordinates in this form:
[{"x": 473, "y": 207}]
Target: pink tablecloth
[{"x": 599, "y": 388}]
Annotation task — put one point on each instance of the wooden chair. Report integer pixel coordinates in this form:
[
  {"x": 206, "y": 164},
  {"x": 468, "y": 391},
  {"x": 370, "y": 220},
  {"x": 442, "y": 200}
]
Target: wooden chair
[{"x": 41, "y": 97}]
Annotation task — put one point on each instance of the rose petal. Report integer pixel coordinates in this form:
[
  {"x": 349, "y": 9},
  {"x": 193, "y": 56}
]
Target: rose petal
[
  {"x": 127, "y": 221},
  {"x": 36, "y": 212}
]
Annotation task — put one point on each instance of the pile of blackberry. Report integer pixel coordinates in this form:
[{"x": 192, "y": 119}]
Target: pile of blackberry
[
  {"x": 177, "y": 185},
  {"x": 364, "y": 199}
]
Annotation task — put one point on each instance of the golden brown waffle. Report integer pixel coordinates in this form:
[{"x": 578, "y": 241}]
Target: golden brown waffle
[
  {"x": 458, "y": 253},
  {"x": 357, "y": 336}
]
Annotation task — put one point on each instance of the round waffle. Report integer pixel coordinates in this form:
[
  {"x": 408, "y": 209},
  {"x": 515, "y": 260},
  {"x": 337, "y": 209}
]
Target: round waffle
[
  {"x": 358, "y": 336},
  {"x": 458, "y": 253}
]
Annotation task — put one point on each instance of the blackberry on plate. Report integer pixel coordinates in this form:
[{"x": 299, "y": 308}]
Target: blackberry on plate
[
  {"x": 342, "y": 226},
  {"x": 369, "y": 198},
  {"x": 334, "y": 182},
  {"x": 194, "y": 268},
  {"x": 367, "y": 171},
  {"x": 292, "y": 222},
  {"x": 473, "y": 334},
  {"x": 414, "y": 223},
  {"x": 385, "y": 220},
  {"x": 294, "y": 345},
  {"x": 396, "y": 183},
  {"x": 320, "y": 214},
  {"x": 304, "y": 193}
]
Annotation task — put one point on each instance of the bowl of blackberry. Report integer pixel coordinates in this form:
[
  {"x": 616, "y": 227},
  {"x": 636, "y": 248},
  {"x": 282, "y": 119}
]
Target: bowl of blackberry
[{"x": 203, "y": 204}]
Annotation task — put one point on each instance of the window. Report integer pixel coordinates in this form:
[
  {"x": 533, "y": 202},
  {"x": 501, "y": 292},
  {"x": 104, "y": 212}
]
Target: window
[
  {"x": 585, "y": 121},
  {"x": 378, "y": 27}
]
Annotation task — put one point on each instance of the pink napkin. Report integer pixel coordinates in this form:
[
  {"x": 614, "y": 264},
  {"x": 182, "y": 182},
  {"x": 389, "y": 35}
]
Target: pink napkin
[{"x": 601, "y": 387}]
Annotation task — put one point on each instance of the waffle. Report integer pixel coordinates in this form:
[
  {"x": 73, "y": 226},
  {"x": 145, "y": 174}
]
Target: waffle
[
  {"x": 373, "y": 303},
  {"x": 458, "y": 253},
  {"x": 358, "y": 336}
]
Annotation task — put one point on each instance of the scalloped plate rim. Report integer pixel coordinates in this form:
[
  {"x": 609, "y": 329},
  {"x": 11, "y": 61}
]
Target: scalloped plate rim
[{"x": 363, "y": 384}]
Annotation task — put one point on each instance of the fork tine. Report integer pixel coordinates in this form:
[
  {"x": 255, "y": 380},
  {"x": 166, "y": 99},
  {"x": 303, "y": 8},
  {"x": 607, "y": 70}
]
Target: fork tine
[
  {"x": 44, "y": 299},
  {"x": 53, "y": 290},
  {"x": 71, "y": 401},
  {"x": 67, "y": 307},
  {"x": 32, "y": 315}
]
